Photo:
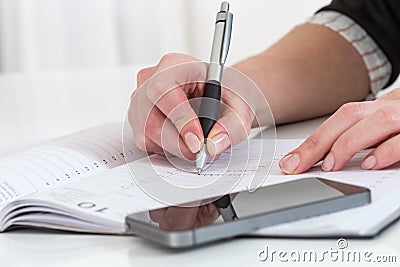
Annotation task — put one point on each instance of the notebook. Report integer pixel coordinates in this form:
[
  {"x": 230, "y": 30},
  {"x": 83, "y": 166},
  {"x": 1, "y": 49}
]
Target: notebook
[{"x": 91, "y": 180}]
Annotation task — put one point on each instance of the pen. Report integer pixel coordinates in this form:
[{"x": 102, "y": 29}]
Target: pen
[
  {"x": 209, "y": 108},
  {"x": 210, "y": 103}
]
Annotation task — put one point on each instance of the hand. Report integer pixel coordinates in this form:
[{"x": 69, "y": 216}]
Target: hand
[
  {"x": 354, "y": 127},
  {"x": 184, "y": 218},
  {"x": 163, "y": 92}
]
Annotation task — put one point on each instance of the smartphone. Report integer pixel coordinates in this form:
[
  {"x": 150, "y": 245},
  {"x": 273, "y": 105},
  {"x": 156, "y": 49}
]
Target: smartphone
[{"x": 267, "y": 206}]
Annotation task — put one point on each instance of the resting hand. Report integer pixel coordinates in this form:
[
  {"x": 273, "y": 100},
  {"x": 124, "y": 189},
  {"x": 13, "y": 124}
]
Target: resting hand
[{"x": 354, "y": 127}]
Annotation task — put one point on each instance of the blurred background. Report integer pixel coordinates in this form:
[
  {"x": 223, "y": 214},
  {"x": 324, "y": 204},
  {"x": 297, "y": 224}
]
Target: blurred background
[
  {"x": 66, "y": 65},
  {"x": 40, "y": 35}
]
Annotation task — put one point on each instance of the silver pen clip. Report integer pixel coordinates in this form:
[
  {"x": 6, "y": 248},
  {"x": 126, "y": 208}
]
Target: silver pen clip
[
  {"x": 221, "y": 42},
  {"x": 225, "y": 16}
]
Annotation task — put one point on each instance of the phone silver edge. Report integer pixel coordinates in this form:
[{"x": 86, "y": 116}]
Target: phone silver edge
[{"x": 226, "y": 230}]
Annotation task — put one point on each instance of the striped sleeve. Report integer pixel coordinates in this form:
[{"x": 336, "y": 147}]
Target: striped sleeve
[{"x": 378, "y": 66}]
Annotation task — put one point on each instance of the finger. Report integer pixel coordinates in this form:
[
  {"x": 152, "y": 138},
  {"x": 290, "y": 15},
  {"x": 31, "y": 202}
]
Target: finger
[
  {"x": 163, "y": 133},
  {"x": 206, "y": 215},
  {"x": 226, "y": 132},
  {"x": 157, "y": 215},
  {"x": 136, "y": 125},
  {"x": 233, "y": 127},
  {"x": 317, "y": 145},
  {"x": 392, "y": 95},
  {"x": 178, "y": 218},
  {"x": 385, "y": 122},
  {"x": 170, "y": 88},
  {"x": 141, "y": 141},
  {"x": 384, "y": 155},
  {"x": 175, "y": 105},
  {"x": 152, "y": 130},
  {"x": 150, "y": 146},
  {"x": 144, "y": 74}
]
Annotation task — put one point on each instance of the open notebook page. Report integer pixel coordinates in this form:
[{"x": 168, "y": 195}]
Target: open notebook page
[
  {"x": 60, "y": 161},
  {"x": 113, "y": 194},
  {"x": 110, "y": 196}
]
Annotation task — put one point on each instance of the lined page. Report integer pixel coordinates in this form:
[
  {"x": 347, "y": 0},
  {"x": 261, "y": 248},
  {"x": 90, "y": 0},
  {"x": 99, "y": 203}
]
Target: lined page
[
  {"x": 114, "y": 194},
  {"x": 61, "y": 161}
]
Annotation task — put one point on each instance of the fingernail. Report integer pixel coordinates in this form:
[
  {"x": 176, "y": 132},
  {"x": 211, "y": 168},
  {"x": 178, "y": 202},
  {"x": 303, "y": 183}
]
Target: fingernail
[
  {"x": 290, "y": 163},
  {"x": 328, "y": 163},
  {"x": 369, "y": 163},
  {"x": 192, "y": 141},
  {"x": 218, "y": 144}
]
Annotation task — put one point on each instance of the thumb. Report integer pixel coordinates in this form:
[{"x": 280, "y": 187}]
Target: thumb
[{"x": 228, "y": 131}]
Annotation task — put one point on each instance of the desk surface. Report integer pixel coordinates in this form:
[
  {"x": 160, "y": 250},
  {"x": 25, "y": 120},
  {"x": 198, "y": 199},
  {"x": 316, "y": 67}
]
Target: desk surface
[{"x": 44, "y": 248}]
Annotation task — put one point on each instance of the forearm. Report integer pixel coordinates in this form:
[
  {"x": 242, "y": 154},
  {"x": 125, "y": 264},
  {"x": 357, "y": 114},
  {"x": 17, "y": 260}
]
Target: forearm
[{"x": 309, "y": 73}]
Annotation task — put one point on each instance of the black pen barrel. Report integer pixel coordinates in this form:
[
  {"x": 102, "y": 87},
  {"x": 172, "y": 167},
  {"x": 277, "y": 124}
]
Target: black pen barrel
[{"x": 210, "y": 105}]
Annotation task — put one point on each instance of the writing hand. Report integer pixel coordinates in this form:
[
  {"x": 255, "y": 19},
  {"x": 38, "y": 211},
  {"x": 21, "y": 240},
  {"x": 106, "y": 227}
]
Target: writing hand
[{"x": 168, "y": 86}]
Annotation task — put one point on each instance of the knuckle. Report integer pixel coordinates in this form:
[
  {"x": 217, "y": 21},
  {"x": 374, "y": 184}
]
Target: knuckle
[
  {"x": 170, "y": 57},
  {"x": 389, "y": 114},
  {"x": 387, "y": 153},
  {"x": 353, "y": 109},
  {"x": 175, "y": 58},
  {"x": 145, "y": 74},
  {"x": 141, "y": 73},
  {"x": 133, "y": 95},
  {"x": 312, "y": 143},
  {"x": 342, "y": 146},
  {"x": 156, "y": 90},
  {"x": 180, "y": 119}
]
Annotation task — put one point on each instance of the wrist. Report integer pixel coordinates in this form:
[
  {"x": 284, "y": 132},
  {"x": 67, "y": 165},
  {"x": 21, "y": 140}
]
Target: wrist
[
  {"x": 310, "y": 72},
  {"x": 256, "y": 96}
]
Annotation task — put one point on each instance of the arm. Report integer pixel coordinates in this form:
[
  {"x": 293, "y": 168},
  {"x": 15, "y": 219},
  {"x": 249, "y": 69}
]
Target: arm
[
  {"x": 311, "y": 64},
  {"x": 310, "y": 72},
  {"x": 343, "y": 135},
  {"x": 381, "y": 19}
]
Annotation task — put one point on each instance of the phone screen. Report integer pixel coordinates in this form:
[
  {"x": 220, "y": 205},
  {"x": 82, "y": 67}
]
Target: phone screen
[{"x": 266, "y": 206}]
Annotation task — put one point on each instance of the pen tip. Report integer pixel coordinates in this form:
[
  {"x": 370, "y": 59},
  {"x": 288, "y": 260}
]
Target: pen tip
[{"x": 198, "y": 171}]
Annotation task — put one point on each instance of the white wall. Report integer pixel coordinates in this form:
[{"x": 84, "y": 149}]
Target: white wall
[
  {"x": 64, "y": 34},
  {"x": 257, "y": 24},
  {"x": 75, "y": 34},
  {"x": 70, "y": 64}
]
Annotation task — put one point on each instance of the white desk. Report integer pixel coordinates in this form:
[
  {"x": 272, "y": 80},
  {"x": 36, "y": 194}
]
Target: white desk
[{"x": 39, "y": 248}]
